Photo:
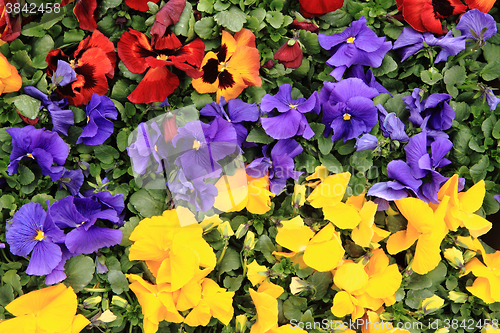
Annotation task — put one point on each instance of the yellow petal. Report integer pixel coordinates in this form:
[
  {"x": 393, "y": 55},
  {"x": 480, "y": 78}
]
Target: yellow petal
[
  {"x": 385, "y": 284},
  {"x": 481, "y": 289},
  {"x": 427, "y": 253},
  {"x": 378, "y": 263},
  {"x": 295, "y": 240},
  {"x": 342, "y": 304},
  {"x": 190, "y": 296},
  {"x": 220, "y": 303},
  {"x": 200, "y": 315},
  {"x": 181, "y": 265},
  {"x": 23, "y": 323},
  {"x": 320, "y": 172},
  {"x": 418, "y": 213},
  {"x": 472, "y": 199},
  {"x": 450, "y": 188},
  {"x": 79, "y": 323},
  {"x": 259, "y": 196},
  {"x": 267, "y": 311},
  {"x": 402, "y": 240},
  {"x": 58, "y": 315},
  {"x": 271, "y": 289},
  {"x": 296, "y": 223},
  {"x": 331, "y": 191},
  {"x": 344, "y": 216},
  {"x": 476, "y": 224},
  {"x": 357, "y": 201},
  {"x": 232, "y": 192},
  {"x": 35, "y": 301},
  {"x": 253, "y": 273},
  {"x": 324, "y": 256},
  {"x": 350, "y": 277}
]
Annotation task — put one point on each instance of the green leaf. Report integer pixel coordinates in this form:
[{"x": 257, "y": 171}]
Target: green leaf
[
  {"x": 388, "y": 65},
  {"x": 127, "y": 229},
  {"x": 345, "y": 148},
  {"x": 73, "y": 36},
  {"x": 258, "y": 135},
  {"x": 321, "y": 282},
  {"x": 230, "y": 262},
  {"x": 43, "y": 45},
  {"x": 306, "y": 161},
  {"x": 107, "y": 4},
  {"x": 206, "y": 6},
  {"x": 393, "y": 31},
  {"x": 146, "y": 204},
  {"x": 6, "y": 294},
  {"x": 106, "y": 154},
  {"x": 200, "y": 100},
  {"x": 361, "y": 160},
  {"x": 182, "y": 27},
  {"x": 26, "y": 176},
  {"x": 488, "y": 125},
  {"x": 10, "y": 277},
  {"x": 205, "y": 27},
  {"x": 275, "y": 19},
  {"x": 265, "y": 245},
  {"x": 220, "y": 6},
  {"x": 462, "y": 110},
  {"x": 496, "y": 130},
  {"x": 338, "y": 18},
  {"x": 27, "y": 106},
  {"x": 491, "y": 71},
  {"x": 232, "y": 19},
  {"x": 7, "y": 201},
  {"x": 430, "y": 76},
  {"x": 118, "y": 281},
  {"x": 310, "y": 41},
  {"x": 121, "y": 89},
  {"x": 455, "y": 75},
  {"x": 491, "y": 52},
  {"x": 478, "y": 171},
  {"x": 331, "y": 163},
  {"x": 233, "y": 283},
  {"x": 325, "y": 145},
  {"x": 79, "y": 271},
  {"x": 42, "y": 198},
  {"x": 293, "y": 307},
  {"x": 461, "y": 150},
  {"x": 35, "y": 29},
  {"x": 474, "y": 145}
]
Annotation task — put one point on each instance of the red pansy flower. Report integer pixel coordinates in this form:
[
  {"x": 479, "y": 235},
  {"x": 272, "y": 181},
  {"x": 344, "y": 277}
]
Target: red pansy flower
[
  {"x": 140, "y": 5},
  {"x": 10, "y": 27},
  {"x": 85, "y": 13},
  {"x": 482, "y": 5},
  {"x": 426, "y": 15},
  {"x": 290, "y": 54},
  {"x": 136, "y": 52},
  {"x": 168, "y": 15},
  {"x": 304, "y": 25},
  {"x": 93, "y": 60},
  {"x": 310, "y": 8}
]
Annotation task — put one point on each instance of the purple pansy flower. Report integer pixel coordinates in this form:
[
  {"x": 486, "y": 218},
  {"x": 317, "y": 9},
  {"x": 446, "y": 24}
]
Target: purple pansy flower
[
  {"x": 368, "y": 78},
  {"x": 71, "y": 180},
  {"x": 196, "y": 191},
  {"x": 347, "y": 108},
  {"x": 436, "y": 108},
  {"x": 392, "y": 127},
  {"x": 366, "y": 142},
  {"x": 80, "y": 214},
  {"x": 98, "y": 127},
  {"x": 108, "y": 201},
  {"x": 61, "y": 119},
  {"x": 33, "y": 231},
  {"x": 64, "y": 74},
  {"x": 356, "y": 45},
  {"x": 147, "y": 144},
  {"x": 237, "y": 112},
  {"x": 491, "y": 99},
  {"x": 44, "y": 147},
  {"x": 57, "y": 275},
  {"x": 411, "y": 41},
  {"x": 203, "y": 145},
  {"x": 278, "y": 163},
  {"x": 477, "y": 25},
  {"x": 289, "y": 119}
]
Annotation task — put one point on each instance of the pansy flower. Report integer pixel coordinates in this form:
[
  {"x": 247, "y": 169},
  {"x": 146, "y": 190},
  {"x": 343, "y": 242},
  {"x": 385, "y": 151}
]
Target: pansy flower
[
  {"x": 477, "y": 26},
  {"x": 81, "y": 214},
  {"x": 61, "y": 119},
  {"x": 71, "y": 180},
  {"x": 93, "y": 61},
  {"x": 348, "y": 110},
  {"x": 356, "y": 45},
  {"x": 98, "y": 127},
  {"x": 289, "y": 119},
  {"x": 10, "y": 80},
  {"x": 168, "y": 15},
  {"x": 237, "y": 112},
  {"x": 278, "y": 164},
  {"x": 310, "y": 8},
  {"x": 411, "y": 41},
  {"x": 10, "y": 26},
  {"x": 140, "y": 5},
  {"x": 434, "y": 112},
  {"x": 44, "y": 147},
  {"x": 234, "y": 68},
  {"x": 426, "y": 15},
  {"x": 84, "y": 11},
  {"x": 266, "y": 304},
  {"x": 33, "y": 231},
  {"x": 392, "y": 127},
  {"x": 289, "y": 54},
  {"x": 136, "y": 52}
]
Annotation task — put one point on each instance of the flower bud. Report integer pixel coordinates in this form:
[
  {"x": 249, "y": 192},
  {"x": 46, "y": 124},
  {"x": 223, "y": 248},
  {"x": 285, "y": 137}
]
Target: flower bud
[
  {"x": 241, "y": 323},
  {"x": 249, "y": 242},
  {"x": 225, "y": 230},
  {"x": 169, "y": 127},
  {"x": 92, "y": 302},
  {"x": 431, "y": 304},
  {"x": 210, "y": 222},
  {"x": 468, "y": 255},
  {"x": 119, "y": 302},
  {"x": 304, "y": 25},
  {"x": 299, "y": 195},
  {"x": 289, "y": 55},
  {"x": 297, "y": 285},
  {"x": 454, "y": 257},
  {"x": 242, "y": 229},
  {"x": 458, "y": 297}
]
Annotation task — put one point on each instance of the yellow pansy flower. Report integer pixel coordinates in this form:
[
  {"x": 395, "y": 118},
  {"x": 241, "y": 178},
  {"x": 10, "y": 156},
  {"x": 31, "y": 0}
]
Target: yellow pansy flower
[
  {"x": 256, "y": 273},
  {"x": 330, "y": 191},
  {"x": 51, "y": 309},
  {"x": 172, "y": 253},
  {"x": 320, "y": 172},
  {"x": 461, "y": 207},
  {"x": 242, "y": 191},
  {"x": 426, "y": 227},
  {"x": 266, "y": 303},
  {"x": 322, "y": 251},
  {"x": 487, "y": 284}
]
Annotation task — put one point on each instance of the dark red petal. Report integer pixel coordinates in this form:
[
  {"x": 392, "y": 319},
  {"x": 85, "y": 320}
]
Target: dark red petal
[
  {"x": 65, "y": 2},
  {"x": 225, "y": 80},
  {"x": 412, "y": 12},
  {"x": 84, "y": 12},
  {"x": 53, "y": 56},
  {"x": 304, "y": 25},
  {"x": 430, "y": 20},
  {"x": 156, "y": 85},
  {"x": 97, "y": 39},
  {"x": 140, "y": 5},
  {"x": 10, "y": 26},
  {"x": 133, "y": 49},
  {"x": 28, "y": 120},
  {"x": 167, "y": 15},
  {"x": 169, "y": 41},
  {"x": 191, "y": 53},
  {"x": 287, "y": 53},
  {"x": 319, "y": 7},
  {"x": 210, "y": 71}
]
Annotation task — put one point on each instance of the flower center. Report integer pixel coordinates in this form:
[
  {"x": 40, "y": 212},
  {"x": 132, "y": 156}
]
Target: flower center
[
  {"x": 347, "y": 116},
  {"x": 162, "y": 57},
  {"x": 88, "y": 119},
  {"x": 350, "y": 40},
  {"x": 293, "y": 106},
  {"x": 72, "y": 63},
  {"x": 39, "y": 235},
  {"x": 30, "y": 155},
  {"x": 156, "y": 148},
  {"x": 196, "y": 144}
]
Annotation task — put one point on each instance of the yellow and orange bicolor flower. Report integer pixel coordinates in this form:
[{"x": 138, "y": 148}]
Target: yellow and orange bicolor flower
[{"x": 10, "y": 80}]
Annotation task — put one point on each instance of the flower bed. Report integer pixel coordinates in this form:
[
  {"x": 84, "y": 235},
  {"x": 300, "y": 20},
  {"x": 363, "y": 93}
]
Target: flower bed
[{"x": 262, "y": 166}]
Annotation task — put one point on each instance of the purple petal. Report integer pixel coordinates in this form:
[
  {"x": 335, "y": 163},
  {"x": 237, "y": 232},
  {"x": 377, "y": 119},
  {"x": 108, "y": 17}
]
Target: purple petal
[
  {"x": 45, "y": 257},
  {"x": 400, "y": 171},
  {"x": 415, "y": 149},
  {"x": 81, "y": 241},
  {"x": 284, "y": 126}
]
